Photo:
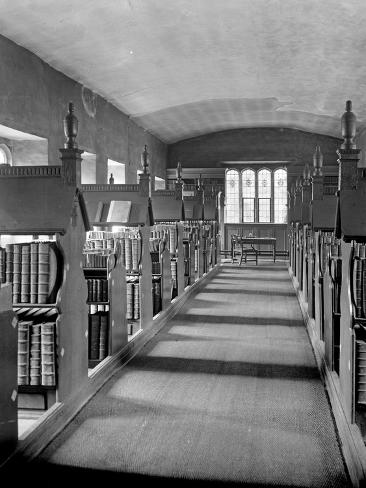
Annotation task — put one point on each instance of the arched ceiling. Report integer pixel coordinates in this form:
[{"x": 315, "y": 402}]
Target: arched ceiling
[{"x": 181, "y": 68}]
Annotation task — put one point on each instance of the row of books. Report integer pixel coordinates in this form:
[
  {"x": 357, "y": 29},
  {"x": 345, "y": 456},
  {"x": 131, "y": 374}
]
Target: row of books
[
  {"x": 131, "y": 253},
  {"x": 97, "y": 290},
  {"x": 359, "y": 280},
  {"x": 156, "y": 295},
  {"x": 361, "y": 372},
  {"x": 99, "y": 244},
  {"x": 32, "y": 270},
  {"x": 173, "y": 270},
  {"x": 36, "y": 353},
  {"x": 94, "y": 260},
  {"x": 155, "y": 263},
  {"x": 98, "y": 333},
  {"x": 133, "y": 300},
  {"x": 154, "y": 244},
  {"x": 166, "y": 231}
]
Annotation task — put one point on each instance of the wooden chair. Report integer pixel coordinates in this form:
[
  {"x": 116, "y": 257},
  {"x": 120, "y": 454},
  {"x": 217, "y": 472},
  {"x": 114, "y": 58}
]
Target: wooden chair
[{"x": 248, "y": 250}]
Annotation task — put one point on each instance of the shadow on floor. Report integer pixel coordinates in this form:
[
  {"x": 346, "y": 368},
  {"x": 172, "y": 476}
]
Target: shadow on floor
[
  {"x": 230, "y": 368},
  {"x": 52, "y": 475},
  {"x": 270, "y": 292},
  {"x": 193, "y": 319}
]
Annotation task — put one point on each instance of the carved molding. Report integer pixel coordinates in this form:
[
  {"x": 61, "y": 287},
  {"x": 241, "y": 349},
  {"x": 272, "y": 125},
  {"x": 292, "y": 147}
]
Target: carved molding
[
  {"x": 30, "y": 171},
  {"x": 105, "y": 187}
]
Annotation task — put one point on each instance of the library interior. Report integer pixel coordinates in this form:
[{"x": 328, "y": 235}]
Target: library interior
[{"x": 183, "y": 242}]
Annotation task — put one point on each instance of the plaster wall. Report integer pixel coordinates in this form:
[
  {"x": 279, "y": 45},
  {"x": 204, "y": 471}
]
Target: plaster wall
[
  {"x": 35, "y": 99},
  {"x": 256, "y": 144}
]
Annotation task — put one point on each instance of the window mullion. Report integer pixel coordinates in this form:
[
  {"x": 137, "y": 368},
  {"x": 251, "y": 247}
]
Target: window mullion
[
  {"x": 240, "y": 196},
  {"x": 272, "y": 198}
]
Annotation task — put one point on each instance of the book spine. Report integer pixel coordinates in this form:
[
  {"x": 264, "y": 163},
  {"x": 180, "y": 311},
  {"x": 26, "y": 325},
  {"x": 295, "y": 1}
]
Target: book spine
[
  {"x": 94, "y": 335},
  {"x": 17, "y": 269},
  {"x": 128, "y": 254},
  {"x": 23, "y": 352},
  {"x": 48, "y": 359},
  {"x": 34, "y": 272},
  {"x": 25, "y": 274},
  {"x": 123, "y": 252},
  {"x": 9, "y": 262},
  {"x": 103, "y": 342},
  {"x": 2, "y": 265},
  {"x": 35, "y": 354},
  {"x": 105, "y": 290},
  {"x": 136, "y": 301},
  {"x": 43, "y": 271},
  {"x": 130, "y": 298}
]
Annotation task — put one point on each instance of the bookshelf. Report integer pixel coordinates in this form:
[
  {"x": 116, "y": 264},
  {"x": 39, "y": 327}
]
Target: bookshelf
[
  {"x": 42, "y": 209},
  {"x": 168, "y": 210},
  {"x": 106, "y": 283},
  {"x": 124, "y": 216}
]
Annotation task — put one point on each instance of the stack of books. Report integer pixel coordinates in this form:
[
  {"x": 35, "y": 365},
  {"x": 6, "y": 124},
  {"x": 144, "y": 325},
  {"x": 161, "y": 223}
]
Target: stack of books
[
  {"x": 94, "y": 260},
  {"x": 36, "y": 353},
  {"x": 32, "y": 270},
  {"x": 133, "y": 300},
  {"x": 97, "y": 290},
  {"x": 98, "y": 332},
  {"x": 155, "y": 263}
]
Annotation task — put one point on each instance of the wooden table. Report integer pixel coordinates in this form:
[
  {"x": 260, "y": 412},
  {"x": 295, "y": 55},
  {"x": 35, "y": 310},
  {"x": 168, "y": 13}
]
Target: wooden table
[{"x": 242, "y": 241}]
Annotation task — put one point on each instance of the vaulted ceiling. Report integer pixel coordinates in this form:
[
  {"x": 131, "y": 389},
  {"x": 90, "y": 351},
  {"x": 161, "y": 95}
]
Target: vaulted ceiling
[{"x": 181, "y": 68}]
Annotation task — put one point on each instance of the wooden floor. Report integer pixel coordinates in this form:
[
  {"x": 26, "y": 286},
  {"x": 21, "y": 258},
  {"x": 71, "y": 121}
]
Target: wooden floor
[{"x": 228, "y": 392}]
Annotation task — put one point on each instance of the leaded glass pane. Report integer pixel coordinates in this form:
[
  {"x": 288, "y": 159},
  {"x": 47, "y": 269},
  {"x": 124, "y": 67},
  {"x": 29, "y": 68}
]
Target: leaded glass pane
[
  {"x": 264, "y": 183},
  {"x": 264, "y": 210},
  {"x": 232, "y": 196},
  {"x": 248, "y": 209},
  {"x": 248, "y": 183},
  {"x": 280, "y": 196}
]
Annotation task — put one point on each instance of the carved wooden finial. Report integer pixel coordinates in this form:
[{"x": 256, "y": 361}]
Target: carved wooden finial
[
  {"x": 298, "y": 183},
  {"x": 179, "y": 172},
  {"x": 318, "y": 162},
  {"x": 145, "y": 164},
  {"x": 71, "y": 126},
  {"x": 348, "y": 126},
  {"x": 306, "y": 175}
]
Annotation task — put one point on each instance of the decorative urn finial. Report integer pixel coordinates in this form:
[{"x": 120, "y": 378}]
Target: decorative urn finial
[
  {"x": 145, "y": 164},
  {"x": 298, "y": 183},
  {"x": 306, "y": 175},
  {"x": 318, "y": 162},
  {"x": 179, "y": 172},
  {"x": 348, "y": 125},
  {"x": 111, "y": 179},
  {"x": 71, "y": 126}
]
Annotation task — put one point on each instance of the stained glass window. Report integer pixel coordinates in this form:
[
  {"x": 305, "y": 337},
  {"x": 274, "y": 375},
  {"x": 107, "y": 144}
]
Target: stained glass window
[
  {"x": 232, "y": 196},
  {"x": 280, "y": 196},
  {"x": 264, "y": 195},
  {"x": 254, "y": 192},
  {"x": 248, "y": 194}
]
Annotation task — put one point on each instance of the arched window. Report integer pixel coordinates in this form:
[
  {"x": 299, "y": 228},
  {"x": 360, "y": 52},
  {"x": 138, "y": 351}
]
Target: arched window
[
  {"x": 232, "y": 196},
  {"x": 5, "y": 154},
  {"x": 264, "y": 195},
  {"x": 248, "y": 195},
  {"x": 280, "y": 196}
]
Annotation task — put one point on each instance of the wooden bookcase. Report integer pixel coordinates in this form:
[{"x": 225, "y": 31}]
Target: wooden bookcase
[
  {"x": 106, "y": 209},
  {"x": 112, "y": 303},
  {"x": 39, "y": 203}
]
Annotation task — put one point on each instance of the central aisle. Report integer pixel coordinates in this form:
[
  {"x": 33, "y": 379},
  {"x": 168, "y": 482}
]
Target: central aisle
[{"x": 228, "y": 390}]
